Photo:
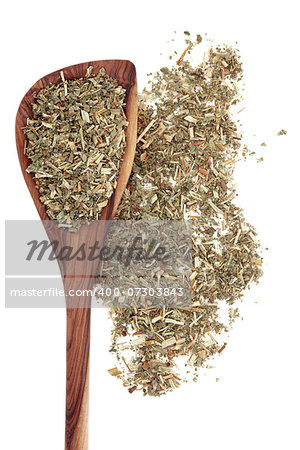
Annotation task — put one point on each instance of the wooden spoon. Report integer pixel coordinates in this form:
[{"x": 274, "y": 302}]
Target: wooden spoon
[{"x": 79, "y": 275}]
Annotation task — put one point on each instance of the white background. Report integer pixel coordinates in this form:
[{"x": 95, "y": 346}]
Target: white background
[{"x": 256, "y": 402}]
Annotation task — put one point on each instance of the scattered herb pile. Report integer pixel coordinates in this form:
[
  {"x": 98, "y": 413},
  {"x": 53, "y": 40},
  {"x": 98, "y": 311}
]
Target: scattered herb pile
[
  {"x": 187, "y": 148},
  {"x": 76, "y": 140}
]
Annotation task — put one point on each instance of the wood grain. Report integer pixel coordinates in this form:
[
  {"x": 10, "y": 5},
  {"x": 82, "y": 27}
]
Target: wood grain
[{"x": 78, "y": 275}]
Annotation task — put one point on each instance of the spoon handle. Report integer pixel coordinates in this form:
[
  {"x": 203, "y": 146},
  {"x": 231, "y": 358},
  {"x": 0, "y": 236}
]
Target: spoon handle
[{"x": 77, "y": 392}]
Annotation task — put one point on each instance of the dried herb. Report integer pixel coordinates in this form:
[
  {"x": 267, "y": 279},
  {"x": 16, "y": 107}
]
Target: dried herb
[
  {"x": 281, "y": 133},
  {"x": 76, "y": 142},
  {"x": 188, "y": 145}
]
